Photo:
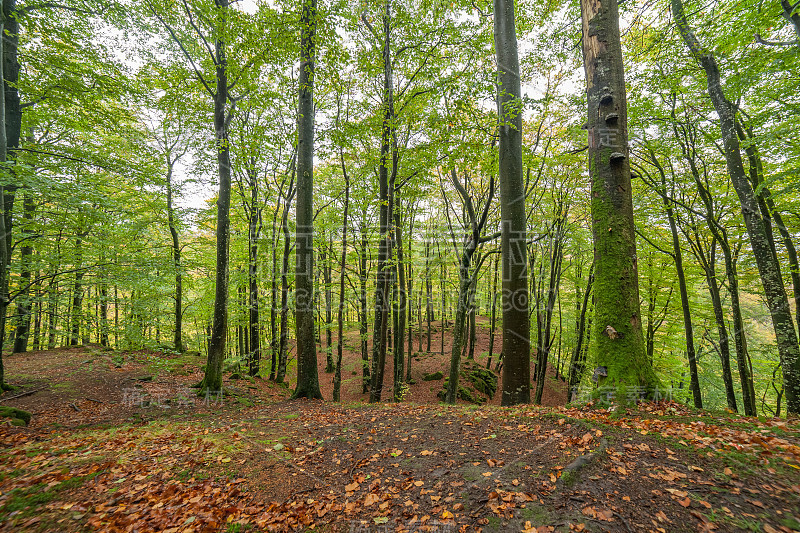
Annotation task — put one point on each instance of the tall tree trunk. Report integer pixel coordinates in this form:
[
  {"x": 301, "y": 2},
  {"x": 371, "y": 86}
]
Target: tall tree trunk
[
  {"x": 770, "y": 210},
  {"x": 177, "y": 340},
  {"x": 37, "y": 324},
  {"x": 307, "y": 379},
  {"x": 77, "y": 293},
  {"x": 212, "y": 381},
  {"x": 516, "y": 320},
  {"x": 327, "y": 276},
  {"x": 4, "y": 227},
  {"x": 337, "y": 378},
  {"x": 400, "y": 306},
  {"x": 12, "y": 119},
  {"x": 774, "y": 290},
  {"x": 722, "y": 329},
  {"x": 282, "y": 344},
  {"x": 740, "y": 341},
  {"x": 577, "y": 364},
  {"x": 677, "y": 255},
  {"x": 103, "y": 297},
  {"x": 273, "y": 312},
  {"x": 554, "y": 279},
  {"x": 462, "y": 307},
  {"x": 739, "y": 337},
  {"x": 362, "y": 302},
  {"x": 24, "y": 298},
  {"x": 52, "y": 312},
  {"x": 494, "y": 314},
  {"x": 617, "y": 337},
  {"x": 386, "y": 195},
  {"x": 428, "y": 292},
  {"x": 410, "y": 300},
  {"x": 254, "y": 233}
]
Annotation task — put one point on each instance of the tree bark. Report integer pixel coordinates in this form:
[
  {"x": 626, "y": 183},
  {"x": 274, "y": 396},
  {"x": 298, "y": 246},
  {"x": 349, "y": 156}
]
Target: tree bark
[
  {"x": 307, "y": 378},
  {"x": 284, "y": 333},
  {"x": 677, "y": 255},
  {"x": 386, "y": 197},
  {"x": 254, "y": 233},
  {"x": 516, "y": 320},
  {"x": 362, "y": 302},
  {"x": 337, "y": 378},
  {"x": 617, "y": 337},
  {"x": 24, "y": 299},
  {"x": 401, "y": 305},
  {"x": 176, "y": 260},
  {"x": 212, "y": 381}
]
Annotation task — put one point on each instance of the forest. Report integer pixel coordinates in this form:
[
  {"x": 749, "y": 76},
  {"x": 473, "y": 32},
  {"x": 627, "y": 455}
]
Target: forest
[
  {"x": 538, "y": 259},
  {"x": 609, "y": 193}
]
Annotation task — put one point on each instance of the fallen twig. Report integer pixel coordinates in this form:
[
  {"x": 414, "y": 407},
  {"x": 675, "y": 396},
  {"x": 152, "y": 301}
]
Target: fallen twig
[
  {"x": 625, "y": 522},
  {"x": 21, "y": 395}
]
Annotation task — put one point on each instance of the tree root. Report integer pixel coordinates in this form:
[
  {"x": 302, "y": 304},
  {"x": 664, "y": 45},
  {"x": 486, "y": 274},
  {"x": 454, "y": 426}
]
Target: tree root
[{"x": 570, "y": 473}]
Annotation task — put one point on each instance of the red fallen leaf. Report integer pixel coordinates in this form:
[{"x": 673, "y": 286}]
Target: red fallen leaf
[
  {"x": 371, "y": 499},
  {"x": 686, "y": 502}
]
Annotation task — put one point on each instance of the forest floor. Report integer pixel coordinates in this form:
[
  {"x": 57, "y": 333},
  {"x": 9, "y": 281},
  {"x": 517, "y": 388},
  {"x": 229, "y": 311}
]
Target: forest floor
[{"x": 118, "y": 442}]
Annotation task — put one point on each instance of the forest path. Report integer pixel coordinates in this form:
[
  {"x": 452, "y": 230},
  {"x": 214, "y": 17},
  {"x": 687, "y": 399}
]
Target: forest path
[{"x": 152, "y": 458}]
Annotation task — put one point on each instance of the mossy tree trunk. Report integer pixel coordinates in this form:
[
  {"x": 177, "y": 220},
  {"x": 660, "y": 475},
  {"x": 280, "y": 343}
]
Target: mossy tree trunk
[
  {"x": 757, "y": 227},
  {"x": 212, "y": 381},
  {"x": 617, "y": 339}
]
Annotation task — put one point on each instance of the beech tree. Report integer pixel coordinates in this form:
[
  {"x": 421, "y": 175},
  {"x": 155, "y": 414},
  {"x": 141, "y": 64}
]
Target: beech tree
[
  {"x": 307, "y": 378},
  {"x": 516, "y": 320},
  {"x": 618, "y": 342}
]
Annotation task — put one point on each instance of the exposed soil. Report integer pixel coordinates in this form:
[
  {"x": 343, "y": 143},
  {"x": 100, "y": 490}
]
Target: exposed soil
[{"x": 118, "y": 442}]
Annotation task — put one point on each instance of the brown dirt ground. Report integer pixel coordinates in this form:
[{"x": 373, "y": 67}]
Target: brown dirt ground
[{"x": 108, "y": 452}]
